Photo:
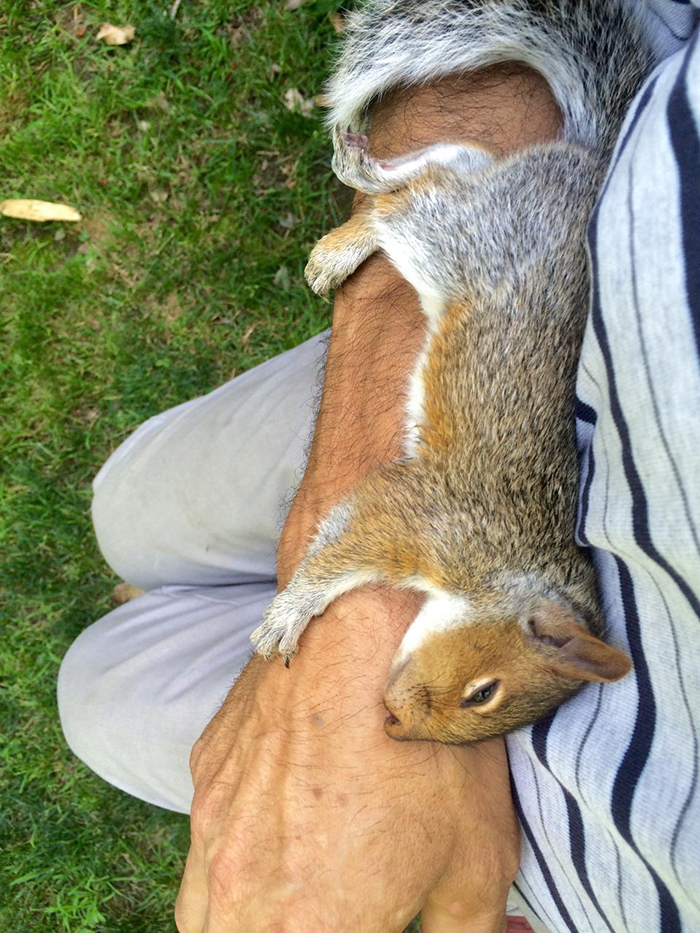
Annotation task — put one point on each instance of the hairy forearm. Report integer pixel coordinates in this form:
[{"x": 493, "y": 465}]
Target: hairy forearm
[{"x": 378, "y": 327}]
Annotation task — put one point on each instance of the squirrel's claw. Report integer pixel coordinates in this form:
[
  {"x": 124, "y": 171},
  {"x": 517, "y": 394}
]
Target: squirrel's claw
[{"x": 283, "y": 622}]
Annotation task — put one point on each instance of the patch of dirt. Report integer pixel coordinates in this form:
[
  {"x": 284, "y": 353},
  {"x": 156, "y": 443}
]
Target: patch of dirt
[
  {"x": 274, "y": 171},
  {"x": 241, "y": 27},
  {"x": 168, "y": 309},
  {"x": 171, "y": 308},
  {"x": 13, "y": 106},
  {"x": 98, "y": 229},
  {"x": 71, "y": 20}
]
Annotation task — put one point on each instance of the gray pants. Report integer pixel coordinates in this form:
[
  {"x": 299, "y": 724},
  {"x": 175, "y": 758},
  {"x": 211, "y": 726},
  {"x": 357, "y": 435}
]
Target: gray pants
[{"x": 189, "y": 508}]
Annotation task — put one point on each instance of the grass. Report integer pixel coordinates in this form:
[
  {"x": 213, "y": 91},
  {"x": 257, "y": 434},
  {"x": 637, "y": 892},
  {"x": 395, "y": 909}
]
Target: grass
[{"x": 202, "y": 194}]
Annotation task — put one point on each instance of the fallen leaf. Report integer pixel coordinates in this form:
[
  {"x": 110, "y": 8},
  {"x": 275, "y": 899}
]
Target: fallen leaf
[
  {"x": 337, "y": 21},
  {"x": 293, "y": 100},
  {"x": 115, "y": 35},
  {"x": 125, "y": 592},
  {"x": 282, "y": 278},
  {"x": 80, "y": 30},
  {"x": 288, "y": 221},
  {"x": 293, "y": 4},
  {"x": 248, "y": 333},
  {"x": 41, "y": 211},
  {"x": 160, "y": 101}
]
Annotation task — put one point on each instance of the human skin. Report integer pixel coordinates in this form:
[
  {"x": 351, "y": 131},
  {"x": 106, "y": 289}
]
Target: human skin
[{"x": 306, "y": 817}]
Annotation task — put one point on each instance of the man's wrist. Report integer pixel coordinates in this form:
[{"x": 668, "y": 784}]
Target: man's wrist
[{"x": 346, "y": 655}]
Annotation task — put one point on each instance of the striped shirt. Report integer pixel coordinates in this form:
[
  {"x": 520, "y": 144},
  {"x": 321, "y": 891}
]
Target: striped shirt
[{"x": 607, "y": 787}]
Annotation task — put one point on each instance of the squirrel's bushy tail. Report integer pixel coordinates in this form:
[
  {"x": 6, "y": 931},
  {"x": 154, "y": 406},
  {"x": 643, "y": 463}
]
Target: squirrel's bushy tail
[{"x": 594, "y": 54}]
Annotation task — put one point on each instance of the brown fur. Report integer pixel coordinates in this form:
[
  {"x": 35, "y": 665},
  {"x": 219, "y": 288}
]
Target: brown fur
[{"x": 480, "y": 512}]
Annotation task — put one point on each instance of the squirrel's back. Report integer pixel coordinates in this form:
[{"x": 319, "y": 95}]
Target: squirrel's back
[{"x": 592, "y": 53}]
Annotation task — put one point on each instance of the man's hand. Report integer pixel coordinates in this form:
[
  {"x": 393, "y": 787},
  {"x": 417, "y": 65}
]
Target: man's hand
[{"x": 306, "y": 817}]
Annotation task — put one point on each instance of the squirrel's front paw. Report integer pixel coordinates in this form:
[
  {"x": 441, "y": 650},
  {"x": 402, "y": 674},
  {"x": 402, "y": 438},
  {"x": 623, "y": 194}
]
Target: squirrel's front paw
[
  {"x": 329, "y": 263},
  {"x": 319, "y": 272},
  {"x": 339, "y": 253},
  {"x": 283, "y": 622}
]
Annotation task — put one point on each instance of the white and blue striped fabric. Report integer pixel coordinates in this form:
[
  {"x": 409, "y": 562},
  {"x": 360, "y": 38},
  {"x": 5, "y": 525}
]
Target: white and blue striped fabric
[{"x": 607, "y": 788}]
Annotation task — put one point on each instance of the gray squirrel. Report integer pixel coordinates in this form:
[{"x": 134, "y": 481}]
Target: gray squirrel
[{"x": 479, "y": 513}]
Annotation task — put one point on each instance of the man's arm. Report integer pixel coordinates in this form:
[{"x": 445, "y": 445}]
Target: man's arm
[
  {"x": 378, "y": 327},
  {"x": 306, "y": 817}
]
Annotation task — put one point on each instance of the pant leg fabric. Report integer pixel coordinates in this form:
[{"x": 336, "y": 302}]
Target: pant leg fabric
[{"x": 189, "y": 507}]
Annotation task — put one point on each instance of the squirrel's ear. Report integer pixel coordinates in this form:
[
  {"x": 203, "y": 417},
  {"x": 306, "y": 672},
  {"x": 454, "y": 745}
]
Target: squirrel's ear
[{"x": 576, "y": 652}]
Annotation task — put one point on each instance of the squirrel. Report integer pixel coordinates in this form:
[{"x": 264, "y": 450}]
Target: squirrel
[{"x": 479, "y": 513}]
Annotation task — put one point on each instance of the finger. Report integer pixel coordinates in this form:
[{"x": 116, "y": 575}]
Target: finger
[
  {"x": 472, "y": 895},
  {"x": 193, "y": 898},
  {"x": 455, "y": 918}
]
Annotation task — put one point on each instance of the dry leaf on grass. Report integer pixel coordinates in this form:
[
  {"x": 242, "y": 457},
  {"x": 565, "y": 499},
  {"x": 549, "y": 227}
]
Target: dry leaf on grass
[
  {"x": 29, "y": 209},
  {"x": 282, "y": 278},
  {"x": 293, "y": 4},
  {"x": 248, "y": 333},
  {"x": 79, "y": 27},
  {"x": 115, "y": 35},
  {"x": 125, "y": 592},
  {"x": 337, "y": 21},
  {"x": 288, "y": 221},
  {"x": 293, "y": 100}
]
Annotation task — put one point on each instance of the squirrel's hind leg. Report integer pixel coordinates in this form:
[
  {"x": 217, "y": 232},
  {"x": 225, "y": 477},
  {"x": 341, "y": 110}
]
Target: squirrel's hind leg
[
  {"x": 355, "y": 167},
  {"x": 340, "y": 252}
]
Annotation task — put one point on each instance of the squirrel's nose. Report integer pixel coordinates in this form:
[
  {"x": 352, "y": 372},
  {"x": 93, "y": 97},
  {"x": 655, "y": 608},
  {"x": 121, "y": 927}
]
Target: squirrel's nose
[
  {"x": 407, "y": 703},
  {"x": 396, "y": 672}
]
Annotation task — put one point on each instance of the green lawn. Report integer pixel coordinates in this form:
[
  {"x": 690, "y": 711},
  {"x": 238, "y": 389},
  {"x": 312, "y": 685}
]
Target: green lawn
[{"x": 202, "y": 193}]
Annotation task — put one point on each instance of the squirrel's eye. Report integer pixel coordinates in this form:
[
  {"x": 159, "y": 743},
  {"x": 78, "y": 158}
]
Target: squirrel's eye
[{"x": 479, "y": 696}]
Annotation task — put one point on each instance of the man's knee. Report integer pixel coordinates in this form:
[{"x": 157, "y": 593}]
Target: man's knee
[
  {"x": 123, "y": 512},
  {"x": 84, "y": 704},
  {"x": 122, "y": 532},
  {"x": 135, "y": 514},
  {"x": 114, "y": 728}
]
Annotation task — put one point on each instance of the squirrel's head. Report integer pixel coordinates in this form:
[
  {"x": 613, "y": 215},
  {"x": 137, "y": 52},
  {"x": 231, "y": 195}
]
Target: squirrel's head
[{"x": 466, "y": 672}]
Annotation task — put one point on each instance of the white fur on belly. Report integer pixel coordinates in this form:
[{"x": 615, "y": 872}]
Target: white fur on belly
[{"x": 415, "y": 412}]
